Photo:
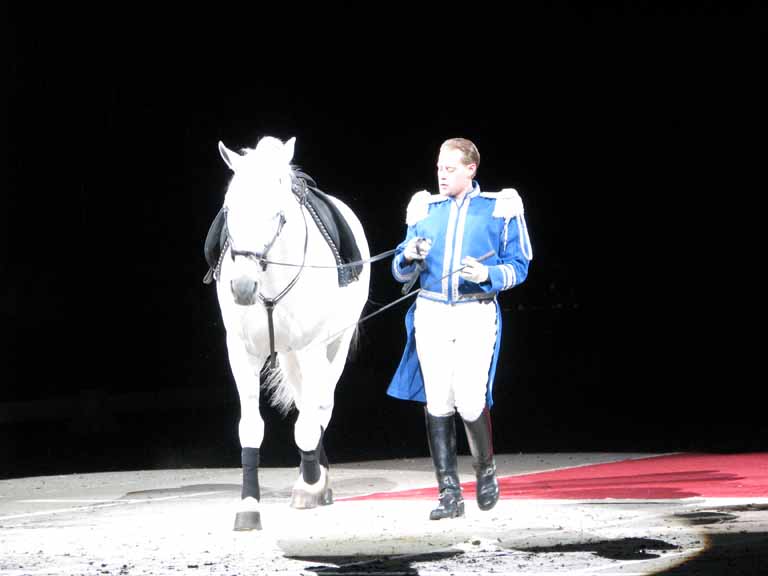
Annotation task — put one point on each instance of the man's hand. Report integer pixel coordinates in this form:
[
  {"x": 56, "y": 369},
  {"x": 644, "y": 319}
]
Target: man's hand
[
  {"x": 473, "y": 270},
  {"x": 417, "y": 249}
]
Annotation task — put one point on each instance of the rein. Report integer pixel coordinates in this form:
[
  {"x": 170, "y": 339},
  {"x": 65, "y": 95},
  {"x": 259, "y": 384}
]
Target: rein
[
  {"x": 408, "y": 294},
  {"x": 300, "y": 193},
  {"x": 370, "y": 260}
]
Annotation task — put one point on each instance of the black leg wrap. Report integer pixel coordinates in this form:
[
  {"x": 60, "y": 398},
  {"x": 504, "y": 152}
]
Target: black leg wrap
[
  {"x": 310, "y": 466},
  {"x": 441, "y": 435},
  {"x": 250, "y": 461},
  {"x": 312, "y": 460},
  {"x": 480, "y": 440},
  {"x": 321, "y": 456}
]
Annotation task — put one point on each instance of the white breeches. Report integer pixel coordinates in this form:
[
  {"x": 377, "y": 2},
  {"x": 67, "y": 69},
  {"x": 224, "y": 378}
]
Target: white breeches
[{"x": 455, "y": 348}]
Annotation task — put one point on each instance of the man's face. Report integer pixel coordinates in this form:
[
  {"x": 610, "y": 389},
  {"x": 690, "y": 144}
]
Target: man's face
[{"x": 453, "y": 176}]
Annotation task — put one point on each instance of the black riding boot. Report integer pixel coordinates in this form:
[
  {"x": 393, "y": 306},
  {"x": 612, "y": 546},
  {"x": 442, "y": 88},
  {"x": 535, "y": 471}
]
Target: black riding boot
[
  {"x": 441, "y": 434},
  {"x": 480, "y": 440}
]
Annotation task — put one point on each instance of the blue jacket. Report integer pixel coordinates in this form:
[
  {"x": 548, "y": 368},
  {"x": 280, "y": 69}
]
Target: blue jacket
[{"x": 481, "y": 223}]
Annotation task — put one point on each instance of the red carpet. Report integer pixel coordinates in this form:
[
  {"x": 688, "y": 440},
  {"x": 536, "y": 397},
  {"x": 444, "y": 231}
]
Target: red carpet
[{"x": 659, "y": 477}]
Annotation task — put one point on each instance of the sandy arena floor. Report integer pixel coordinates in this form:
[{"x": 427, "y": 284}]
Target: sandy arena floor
[{"x": 180, "y": 522}]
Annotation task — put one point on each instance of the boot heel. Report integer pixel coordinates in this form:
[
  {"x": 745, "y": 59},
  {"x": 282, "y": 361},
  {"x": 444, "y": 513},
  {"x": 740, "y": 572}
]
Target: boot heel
[{"x": 451, "y": 506}]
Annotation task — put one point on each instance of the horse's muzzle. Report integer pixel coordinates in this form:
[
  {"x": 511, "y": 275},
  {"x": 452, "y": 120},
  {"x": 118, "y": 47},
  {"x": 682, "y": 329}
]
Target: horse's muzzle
[{"x": 244, "y": 291}]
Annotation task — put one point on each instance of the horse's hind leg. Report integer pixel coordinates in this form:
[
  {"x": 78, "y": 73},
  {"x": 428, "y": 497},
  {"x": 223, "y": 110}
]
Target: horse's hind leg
[
  {"x": 309, "y": 371},
  {"x": 245, "y": 370}
]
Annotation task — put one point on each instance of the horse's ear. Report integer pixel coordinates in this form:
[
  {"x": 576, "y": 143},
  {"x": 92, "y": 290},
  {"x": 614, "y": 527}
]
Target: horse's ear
[
  {"x": 228, "y": 156},
  {"x": 288, "y": 149}
]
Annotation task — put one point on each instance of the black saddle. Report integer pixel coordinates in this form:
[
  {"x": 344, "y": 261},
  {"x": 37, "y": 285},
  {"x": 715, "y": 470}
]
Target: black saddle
[{"x": 331, "y": 223}]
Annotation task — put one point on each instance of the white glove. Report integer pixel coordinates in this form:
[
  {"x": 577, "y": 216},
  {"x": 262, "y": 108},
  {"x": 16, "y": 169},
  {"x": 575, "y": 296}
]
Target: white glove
[
  {"x": 417, "y": 249},
  {"x": 473, "y": 270}
]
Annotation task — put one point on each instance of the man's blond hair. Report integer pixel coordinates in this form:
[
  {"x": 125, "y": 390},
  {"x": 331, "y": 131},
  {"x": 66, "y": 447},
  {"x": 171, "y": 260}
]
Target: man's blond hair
[{"x": 469, "y": 153}]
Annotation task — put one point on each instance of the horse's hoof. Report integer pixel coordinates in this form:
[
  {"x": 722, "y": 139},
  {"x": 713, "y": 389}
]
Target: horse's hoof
[
  {"x": 249, "y": 517},
  {"x": 248, "y": 521},
  {"x": 303, "y": 500},
  {"x": 312, "y": 495}
]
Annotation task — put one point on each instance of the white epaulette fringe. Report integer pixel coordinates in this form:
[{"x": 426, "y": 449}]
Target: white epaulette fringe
[
  {"x": 418, "y": 207},
  {"x": 508, "y": 203}
]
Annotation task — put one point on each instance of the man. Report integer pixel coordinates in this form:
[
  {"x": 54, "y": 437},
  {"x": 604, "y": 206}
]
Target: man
[{"x": 465, "y": 246}]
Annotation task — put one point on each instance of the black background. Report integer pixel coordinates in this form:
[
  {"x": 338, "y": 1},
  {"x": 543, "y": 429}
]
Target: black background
[{"x": 632, "y": 133}]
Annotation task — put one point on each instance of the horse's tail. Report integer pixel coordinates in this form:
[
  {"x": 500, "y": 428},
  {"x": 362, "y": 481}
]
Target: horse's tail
[
  {"x": 273, "y": 380},
  {"x": 277, "y": 389}
]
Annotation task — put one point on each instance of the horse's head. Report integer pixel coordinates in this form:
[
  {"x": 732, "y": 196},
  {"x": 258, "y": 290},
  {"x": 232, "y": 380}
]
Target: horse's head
[{"x": 256, "y": 200}]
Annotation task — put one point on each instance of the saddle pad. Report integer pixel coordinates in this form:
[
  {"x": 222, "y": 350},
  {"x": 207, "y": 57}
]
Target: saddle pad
[{"x": 327, "y": 218}]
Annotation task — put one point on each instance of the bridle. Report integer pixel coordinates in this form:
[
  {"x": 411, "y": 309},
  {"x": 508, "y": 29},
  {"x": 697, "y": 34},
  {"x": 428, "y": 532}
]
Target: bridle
[{"x": 261, "y": 258}]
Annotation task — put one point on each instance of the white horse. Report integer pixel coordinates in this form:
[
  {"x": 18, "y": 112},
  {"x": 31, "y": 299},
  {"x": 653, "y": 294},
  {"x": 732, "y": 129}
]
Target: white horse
[{"x": 277, "y": 258}]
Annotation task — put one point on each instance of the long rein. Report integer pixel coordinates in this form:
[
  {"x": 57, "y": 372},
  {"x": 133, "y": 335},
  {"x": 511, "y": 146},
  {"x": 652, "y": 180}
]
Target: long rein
[
  {"x": 270, "y": 303},
  {"x": 407, "y": 294},
  {"x": 370, "y": 260}
]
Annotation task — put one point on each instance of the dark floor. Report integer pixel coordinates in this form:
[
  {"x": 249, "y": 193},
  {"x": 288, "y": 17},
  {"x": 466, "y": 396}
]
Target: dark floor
[{"x": 102, "y": 436}]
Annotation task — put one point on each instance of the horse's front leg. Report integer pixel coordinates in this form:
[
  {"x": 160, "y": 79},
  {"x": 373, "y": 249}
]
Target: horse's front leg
[
  {"x": 246, "y": 369},
  {"x": 309, "y": 372}
]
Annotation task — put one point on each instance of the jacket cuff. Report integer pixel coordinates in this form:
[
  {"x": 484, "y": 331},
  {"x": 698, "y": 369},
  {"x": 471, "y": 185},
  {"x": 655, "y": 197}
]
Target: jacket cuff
[
  {"x": 401, "y": 270},
  {"x": 502, "y": 277}
]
